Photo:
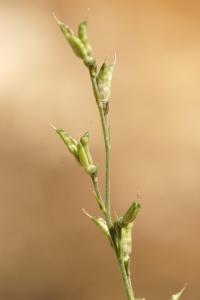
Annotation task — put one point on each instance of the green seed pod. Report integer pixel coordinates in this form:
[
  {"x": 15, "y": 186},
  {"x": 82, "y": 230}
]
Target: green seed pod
[
  {"x": 83, "y": 158},
  {"x": 104, "y": 79},
  {"x": 82, "y": 34},
  {"x": 76, "y": 44},
  {"x": 85, "y": 139},
  {"x": 69, "y": 142},
  {"x": 85, "y": 143},
  {"x": 126, "y": 242},
  {"x": 131, "y": 214}
]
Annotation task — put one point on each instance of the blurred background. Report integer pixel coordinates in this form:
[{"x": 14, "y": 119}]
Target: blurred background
[{"x": 49, "y": 250}]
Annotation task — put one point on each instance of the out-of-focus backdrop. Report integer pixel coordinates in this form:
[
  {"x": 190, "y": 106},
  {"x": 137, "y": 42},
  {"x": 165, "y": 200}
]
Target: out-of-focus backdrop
[{"x": 49, "y": 250}]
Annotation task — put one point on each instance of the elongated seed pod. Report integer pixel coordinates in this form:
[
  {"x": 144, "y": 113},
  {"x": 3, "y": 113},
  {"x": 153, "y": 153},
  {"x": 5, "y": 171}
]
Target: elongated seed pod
[
  {"x": 104, "y": 79},
  {"x": 82, "y": 34},
  {"x": 69, "y": 142},
  {"x": 126, "y": 242},
  {"x": 76, "y": 44},
  {"x": 83, "y": 158},
  {"x": 131, "y": 214},
  {"x": 85, "y": 143}
]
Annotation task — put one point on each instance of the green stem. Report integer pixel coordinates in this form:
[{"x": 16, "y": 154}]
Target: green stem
[
  {"x": 107, "y": 145},
  {"x": 98, "y": 194},
  {"x": 106, "y": 133},
  {"x": 126, "y": 280}
]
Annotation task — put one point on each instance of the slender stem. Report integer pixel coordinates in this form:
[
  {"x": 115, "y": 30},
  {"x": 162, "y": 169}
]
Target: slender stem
[
  {"x": 106, "y": 133},
  {"x": 98, "y": 194},
  {"x": 107, "y": 146},
  {"x": 126, "y": 280}
]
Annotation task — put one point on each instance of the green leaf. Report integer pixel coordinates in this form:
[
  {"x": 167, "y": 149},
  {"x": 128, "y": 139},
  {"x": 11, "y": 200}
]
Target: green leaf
[{"x": 178, "y": 295}]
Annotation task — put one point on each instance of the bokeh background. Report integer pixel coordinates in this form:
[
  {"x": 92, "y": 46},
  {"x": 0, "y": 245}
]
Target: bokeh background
[{"x": 49, "y": 250}]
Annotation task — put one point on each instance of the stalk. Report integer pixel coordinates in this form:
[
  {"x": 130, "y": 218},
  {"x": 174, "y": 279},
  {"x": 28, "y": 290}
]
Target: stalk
[
  {"x": 107, "y": 147},
  {"x": 106, "y": 134}
]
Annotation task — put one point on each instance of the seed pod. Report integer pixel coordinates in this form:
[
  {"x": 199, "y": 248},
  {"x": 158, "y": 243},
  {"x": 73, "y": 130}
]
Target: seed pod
[
  {"x": 85, "y": 143},
  {"x": 131, "y": 214},
  {"x": 83, "y": 158},
  {"x": 104, "y": 79},
  {"x": 90, "y": 168},
  {"x": 82, "y": 34},
  {"x": 76, "y": 44},
  {"x": 126, "y": 242},
  {"x": 69, "y": 142}
]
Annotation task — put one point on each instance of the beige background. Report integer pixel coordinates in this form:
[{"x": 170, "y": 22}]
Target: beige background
[{"x": 48, "y": 248}]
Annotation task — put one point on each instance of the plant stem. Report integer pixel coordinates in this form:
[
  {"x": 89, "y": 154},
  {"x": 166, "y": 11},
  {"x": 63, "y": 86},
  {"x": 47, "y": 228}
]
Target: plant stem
[
  {"x": 107, "y": 146},
  {"x": 126, "y": 280},
  {"x": 98, "y": 194},
  {"x": 106, "y": 133}
]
